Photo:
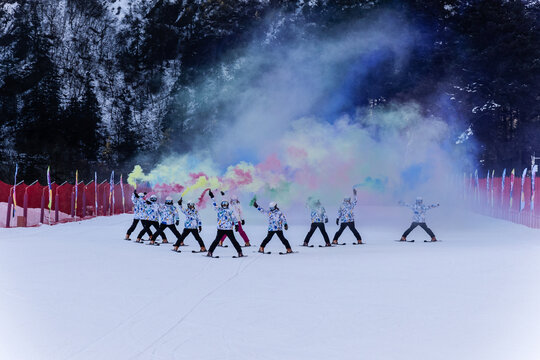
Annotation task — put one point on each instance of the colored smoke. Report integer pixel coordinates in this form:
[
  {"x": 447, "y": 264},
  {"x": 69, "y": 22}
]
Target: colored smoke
[{"x": 287, "y": 132}]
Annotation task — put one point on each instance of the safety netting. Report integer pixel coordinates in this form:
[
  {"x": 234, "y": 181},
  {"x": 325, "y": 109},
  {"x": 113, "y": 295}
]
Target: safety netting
[
  {"x": 516, "y": 201},
  {"x": 36, "y": 204}
]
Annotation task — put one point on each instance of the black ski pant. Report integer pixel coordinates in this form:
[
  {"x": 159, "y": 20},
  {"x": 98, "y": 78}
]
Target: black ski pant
[
  {"x": 146, "y": 229},
  {"x": 314, "y": 227},
  {"x": 185, "y": 233},
  {"x": 422, "y": 225},
  {"x": 351, "y": 226},
  {"x": 230, "y": 235},
  {"x": 161, "y": 231},
  {"x": 132, "y": 227},
  {"x": 280, "y": 236}
]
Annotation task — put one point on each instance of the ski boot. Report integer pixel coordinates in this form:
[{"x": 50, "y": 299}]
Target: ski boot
[
  {"x": 433, "y": 239},
  {"x": 261, "y": 249},
  {"x": 289, "y": 250},
  {"x": 334, "y": 242},
  {"x": 403, "y": 238},
  {"x": 247, "y": 244}
]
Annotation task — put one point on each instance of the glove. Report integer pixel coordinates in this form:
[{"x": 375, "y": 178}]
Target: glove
[
  {"x": 337, "y": 221},
  {"x": 354, "y": 191},
  {"x": 177, "y": 222},
  {"x": 326, "y": 220},
  {"x": 211, "y": 194},
  {"x": 286, "y": 227},
  {"x": 438, "y": 204},
  {"x": 236, "y": 227},
  {"x": 148, "y": 202},
  {"x": 222, "y": 193},
  {"x": 180, "y": 202},
  {"x": 243, "y": 222},
  {"x": 200, "y": 228},
  {"x": 255, "y": 204},
  {"x": 135, "y": 193},
  {"x": 145, "y": 193}
]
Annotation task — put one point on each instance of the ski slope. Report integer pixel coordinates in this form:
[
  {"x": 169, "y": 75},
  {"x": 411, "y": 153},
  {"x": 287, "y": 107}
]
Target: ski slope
[{"x": 78, "y": 291}]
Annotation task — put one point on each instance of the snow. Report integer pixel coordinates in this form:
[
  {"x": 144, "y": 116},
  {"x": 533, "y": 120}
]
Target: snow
[{"x": 77, "y": 291}]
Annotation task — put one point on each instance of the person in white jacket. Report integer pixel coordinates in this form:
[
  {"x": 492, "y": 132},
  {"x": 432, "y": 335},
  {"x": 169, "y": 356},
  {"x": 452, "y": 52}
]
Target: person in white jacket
[
  {"x": 237, "y": 209},
  {"x": 419, "y": 218},
  {"x": 138, "y": 210}
]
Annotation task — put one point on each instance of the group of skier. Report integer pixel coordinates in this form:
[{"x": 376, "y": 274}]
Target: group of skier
[{"x": 230, "y": 216}]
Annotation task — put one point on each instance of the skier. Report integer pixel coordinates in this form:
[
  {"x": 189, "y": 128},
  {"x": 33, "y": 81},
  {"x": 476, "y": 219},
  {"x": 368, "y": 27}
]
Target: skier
[
  {"x": 168, "y": 214},
  {"x": 138, "y": 208},
  {"x": 149, "y": 219},
  {"x": 276, "y": 223},
  {"x": 419, "y": 218},
  {"x": 346, "y": 217},
  {"x": 190, "y": 226},
  {"x": 318, "y": 219},
  {"x": 237, "y": 209},
  {"x": 226, "y": 220}
]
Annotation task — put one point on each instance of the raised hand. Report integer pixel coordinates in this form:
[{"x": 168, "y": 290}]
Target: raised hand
[
  {"x": 211, "y": 194},
  {"x": 286, "y": 227},
  {"x": 337, "y": 221},
  {"x": 243, "y": 222}
]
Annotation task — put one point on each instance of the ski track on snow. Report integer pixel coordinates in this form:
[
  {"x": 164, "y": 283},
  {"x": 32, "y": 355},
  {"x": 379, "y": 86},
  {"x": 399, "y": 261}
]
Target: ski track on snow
[{"x": 239, "y": 270}]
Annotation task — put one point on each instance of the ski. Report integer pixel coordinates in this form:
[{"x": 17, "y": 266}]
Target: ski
[
  {"x": 223, "y": 245},
  {"x": 246, "y": 245},
  {"x": 326, "y": 246},
  {"x": 403, "y": 241},
  {"x": 213, "y": 257},
  {"x": 178, "y": 251},
  {"x": 307, "y": 245},
  {"x": 196, "y": 252},
  {"x": 287, "y": 253},
  {"x": 339, "y": 243},
  {"x": 357, "y": 243},
  {"x": 262, "y": 252},
  {"x": 128, "y": 239},
  {"x": 155, "y": 244},
  {"x": 237, "y": 257},
  {"x": 184, "y": 245},
  {"x": 429, "y": 241}
]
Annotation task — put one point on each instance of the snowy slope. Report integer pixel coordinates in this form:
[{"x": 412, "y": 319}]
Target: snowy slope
[{"x": 77, "y": 291}]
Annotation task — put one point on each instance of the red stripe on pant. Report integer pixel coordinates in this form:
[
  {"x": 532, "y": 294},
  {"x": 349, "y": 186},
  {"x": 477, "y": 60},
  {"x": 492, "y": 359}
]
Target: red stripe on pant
[{"x": 241, "y": 232}]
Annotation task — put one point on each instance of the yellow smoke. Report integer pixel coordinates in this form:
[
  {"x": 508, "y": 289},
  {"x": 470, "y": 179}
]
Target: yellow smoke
[
  {"x": 137, "y": 175},
  {"x": 203, "y": 182}
]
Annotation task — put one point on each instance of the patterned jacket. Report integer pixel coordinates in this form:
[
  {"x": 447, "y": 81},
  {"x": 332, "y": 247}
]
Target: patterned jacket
[
  {"x": 419, "y": 211},
  {"x": 168, "y": 214},
  {"x": 138, "y": 207},
  {"x": 225, "y": 217},
  {"x": 345, "y": 212},
  {"x": 318, "y": 215},
  {"x": 192, "y": 218},
  {"x": 276, "y": 219},
  {"x": 151, "y": 212}
]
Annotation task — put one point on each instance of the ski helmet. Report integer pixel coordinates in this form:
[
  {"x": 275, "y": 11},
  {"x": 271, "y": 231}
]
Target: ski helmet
[
  {"x": 141, "y": 195},
  {"x": 225, "y": 204},
  {"x": 272, "y": 205},
  {"x": 191, "y": 205},
  {"x": 168, "y": 200},
  {"x": 153, "y": 198},
  {"x": 419, "y": 200}
]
